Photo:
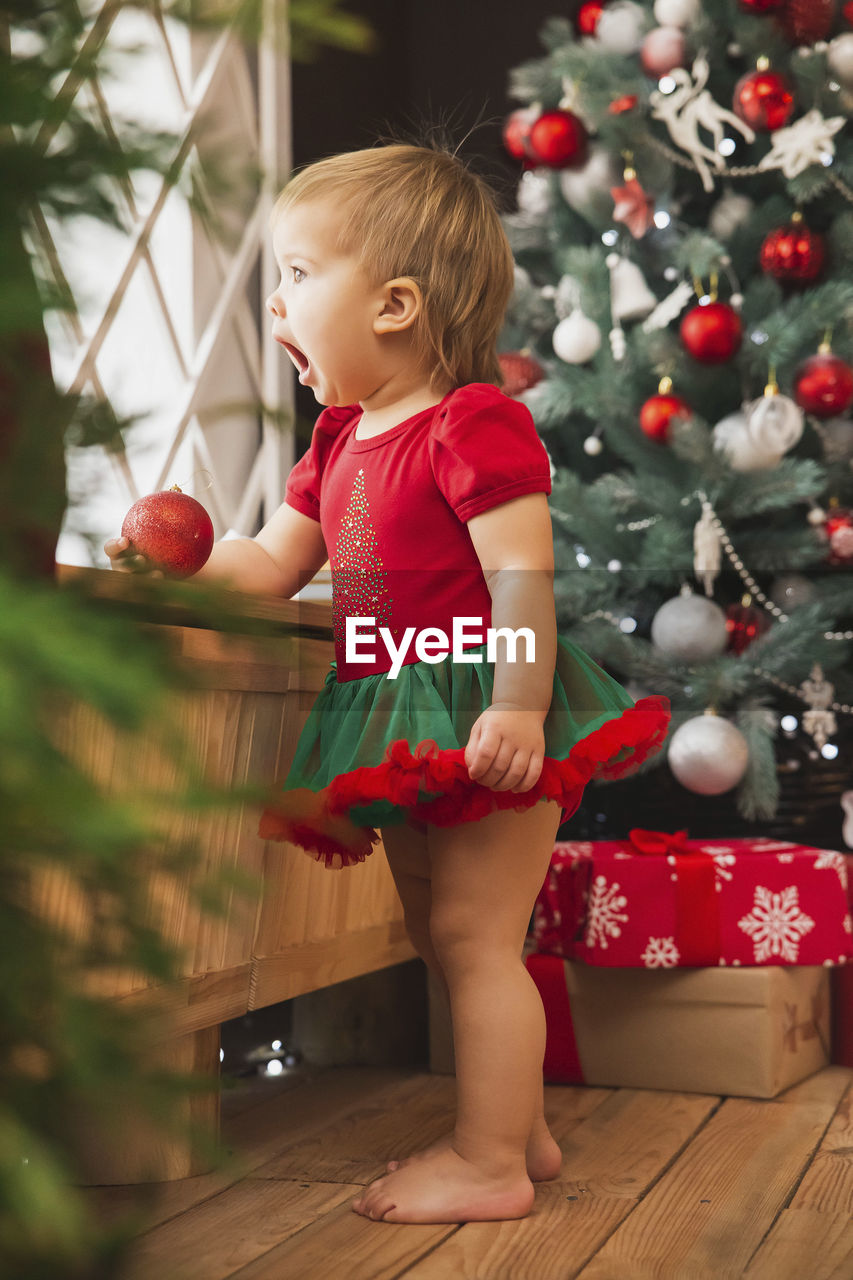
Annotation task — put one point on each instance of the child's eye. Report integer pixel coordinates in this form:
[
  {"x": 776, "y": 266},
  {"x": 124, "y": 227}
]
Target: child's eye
[{"x": 298, "y": 275}]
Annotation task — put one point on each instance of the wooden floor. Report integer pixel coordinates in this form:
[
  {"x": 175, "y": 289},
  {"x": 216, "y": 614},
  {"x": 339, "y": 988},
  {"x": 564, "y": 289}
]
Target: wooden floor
[{"x": 671, "y": 1185}]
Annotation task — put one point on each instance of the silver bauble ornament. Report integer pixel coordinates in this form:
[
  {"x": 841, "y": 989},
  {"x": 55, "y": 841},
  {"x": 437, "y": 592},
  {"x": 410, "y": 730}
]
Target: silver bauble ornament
[
  {"x": 732, "y": 439},
  {"x": 708, "y": 755},
  {"x": 728, "y": 213},
  {"x": 677, "y": 13},
  {"x": 581, "y": 187},
  {"x": 620, "y": 28},
  {"x": 576, "y": 339},
  {"x": 791, "y": 590},
  {"x": 839, "y": 57},
  {"x": 689, "y": 628},
  {"x": 774, "y": 423}
]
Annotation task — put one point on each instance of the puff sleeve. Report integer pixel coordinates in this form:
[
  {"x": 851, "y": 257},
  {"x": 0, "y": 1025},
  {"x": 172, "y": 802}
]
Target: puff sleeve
[
  {"x": 304, "y": 483},
  {"x": 484, "y": 451}
]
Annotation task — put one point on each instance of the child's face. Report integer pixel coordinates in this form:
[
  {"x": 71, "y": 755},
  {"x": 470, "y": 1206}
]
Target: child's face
[{"x": 324, "y": 308}]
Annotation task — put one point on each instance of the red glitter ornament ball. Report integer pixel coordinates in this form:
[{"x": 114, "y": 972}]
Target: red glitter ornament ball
[
  {"x": 519, "y": 370},
  {"x": 172, "y": 530},
  {"x": 586, "y": 18},
  {"x": 823, "y": 385},
  {"x": 804, "y": 21},
  {"x": 839, "y": 533},
  {"x": 764, "y": 100},
  {"x": 712, "y": 333},
  {"x": 657, "y": 413},
  {"x": 516, "y": 131},
  {"x": 793, "y": 254},
  {"x": 744, "y": 623},
  {"x": 558, "y": 140}
]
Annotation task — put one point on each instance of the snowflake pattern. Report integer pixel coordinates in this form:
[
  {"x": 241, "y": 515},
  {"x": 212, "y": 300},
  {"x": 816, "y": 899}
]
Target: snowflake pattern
[
  {"x": 829, "y": 860},
  {"x": 661, "y": 953},
  {"x": 605, "y": 912},
  {"x": 776, "y": 924}
]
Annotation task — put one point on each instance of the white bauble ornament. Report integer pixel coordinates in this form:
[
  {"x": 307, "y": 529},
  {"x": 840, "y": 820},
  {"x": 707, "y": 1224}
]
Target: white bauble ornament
[
  {"x": 630, "y": 296},
  {"x": 689, "y": 628},
  {"x": 592, "y": 446},
  {"x": 837, "y": 439},
  {"x": 594, "y": 178},
  {"x": 663, "y": 48},
  {"x": 577, "y": 338},
  {"x": 728, "y": 213},
  {"x": 620, "y": 28},
  {"x": 732, "y": 439},
  {"x": 839, "y": 57},
  {"x": 677, "y": 13},
  {"x": 774, "y": 423},
  {"x": 708, "y": 755},
  {"x": 791, "y": 591}
]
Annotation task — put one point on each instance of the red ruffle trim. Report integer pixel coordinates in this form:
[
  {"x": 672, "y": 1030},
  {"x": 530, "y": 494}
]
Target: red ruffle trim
[{"x": 319, "y": 821}]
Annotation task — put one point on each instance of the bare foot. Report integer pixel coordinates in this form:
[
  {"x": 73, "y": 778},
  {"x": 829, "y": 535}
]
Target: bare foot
[
  {"x": 544, "y": 1158},
  {"x": 442, "y": 1187}
]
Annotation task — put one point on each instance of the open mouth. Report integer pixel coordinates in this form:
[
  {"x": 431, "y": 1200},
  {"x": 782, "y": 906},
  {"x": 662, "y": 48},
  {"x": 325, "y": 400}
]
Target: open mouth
[{"x": 301, "y": 361}]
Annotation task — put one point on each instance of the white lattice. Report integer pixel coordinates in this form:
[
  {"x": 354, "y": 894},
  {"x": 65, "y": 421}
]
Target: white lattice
[{"x": 169, "y": 321}]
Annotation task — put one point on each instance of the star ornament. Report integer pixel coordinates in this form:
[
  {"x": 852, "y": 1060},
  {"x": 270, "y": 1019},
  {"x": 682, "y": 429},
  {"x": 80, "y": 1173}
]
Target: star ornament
[
  {"x": 805, "y": 142},
  {"x": 633, "y": 206}
]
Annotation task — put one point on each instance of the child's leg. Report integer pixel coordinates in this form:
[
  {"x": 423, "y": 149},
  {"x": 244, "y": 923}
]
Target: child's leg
[
  {"x": 484, "y": 880},
  {"x": 408, "y": 857}
]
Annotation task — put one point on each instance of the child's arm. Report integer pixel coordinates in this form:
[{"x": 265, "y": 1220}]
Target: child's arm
[
  {"x": 278, "y": 561},
  {"x": 515, "y": 548}
]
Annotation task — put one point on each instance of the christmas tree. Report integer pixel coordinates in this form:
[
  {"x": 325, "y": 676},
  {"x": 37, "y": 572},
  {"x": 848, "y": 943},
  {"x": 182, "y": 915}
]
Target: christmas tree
[{"x": 681, "y": 332}]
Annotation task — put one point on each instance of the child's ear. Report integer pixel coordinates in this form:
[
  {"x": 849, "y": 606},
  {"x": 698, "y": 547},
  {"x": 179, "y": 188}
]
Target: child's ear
[{"x": 401, "y": 304}]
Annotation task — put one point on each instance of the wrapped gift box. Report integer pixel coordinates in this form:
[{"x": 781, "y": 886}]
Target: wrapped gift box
[
  {"x": 750, "y": 1032},
  {"x": 660, "y": 901}
]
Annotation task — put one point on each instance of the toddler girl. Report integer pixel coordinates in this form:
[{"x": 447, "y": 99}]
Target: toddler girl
[{"x": 426, "y": 488}]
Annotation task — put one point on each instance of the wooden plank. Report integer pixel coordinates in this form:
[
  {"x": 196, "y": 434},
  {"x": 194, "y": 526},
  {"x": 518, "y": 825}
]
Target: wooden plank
[
  {"x": 708, "y": 1213},
  {"x": 610, "y": 1158},
  {"x": 309, "y": 965},
  {"x": 827, "y": 1186},
  {"x": 344, "y": 1243},
  {"x": 806, "y": 1243},
  {"x": 253, "y": 1136},
  {"x": 234, "y": 1228}
]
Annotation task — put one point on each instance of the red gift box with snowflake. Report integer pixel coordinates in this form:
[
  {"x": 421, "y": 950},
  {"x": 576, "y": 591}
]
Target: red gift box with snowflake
[{"x": 661, "y": 900}]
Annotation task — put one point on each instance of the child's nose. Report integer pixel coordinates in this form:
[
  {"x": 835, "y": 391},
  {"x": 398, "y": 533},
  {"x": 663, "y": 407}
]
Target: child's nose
[{"x": 275, "y": 305}]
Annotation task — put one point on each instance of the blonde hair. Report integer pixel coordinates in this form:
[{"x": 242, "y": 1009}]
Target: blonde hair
[{"x": 419, "y": 212}]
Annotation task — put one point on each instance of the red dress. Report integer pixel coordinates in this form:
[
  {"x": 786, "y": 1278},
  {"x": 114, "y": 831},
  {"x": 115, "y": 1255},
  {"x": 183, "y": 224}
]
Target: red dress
[{"x": 385, "y": 741}]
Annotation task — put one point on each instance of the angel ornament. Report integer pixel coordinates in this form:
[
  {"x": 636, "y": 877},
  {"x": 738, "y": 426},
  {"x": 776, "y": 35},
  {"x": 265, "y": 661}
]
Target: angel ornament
[
  {"x": 690, "y": 108},
  {"x": 818, "y": 693},
  {"x": 707, "y": 550}
]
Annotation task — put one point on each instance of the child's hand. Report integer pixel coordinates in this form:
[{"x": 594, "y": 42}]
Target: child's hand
[
  {"x": 126, "y": 559},
  {"x": 506, "y": 748}
]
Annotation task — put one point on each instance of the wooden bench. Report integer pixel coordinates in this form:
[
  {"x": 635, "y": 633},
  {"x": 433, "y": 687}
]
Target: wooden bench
[{"x": 302, "y": 927}]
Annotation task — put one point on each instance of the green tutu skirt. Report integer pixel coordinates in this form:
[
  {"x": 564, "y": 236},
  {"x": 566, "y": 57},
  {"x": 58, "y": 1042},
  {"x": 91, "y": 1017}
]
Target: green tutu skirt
[{"x": 376, "y": 752}]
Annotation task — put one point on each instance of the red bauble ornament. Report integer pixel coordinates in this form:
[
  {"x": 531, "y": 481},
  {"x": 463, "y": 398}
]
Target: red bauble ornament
[
  {"x": 172, "y": 531},
  {"x": 823, "y": 385},
  {"x": 839, "y": 533},
  {"x": 519, "y": 371},
  {"x": 586, "y": 18},
  {"x": 764, "y": 100},
  {"x": 558, "y": 139},
  {"x": 516, "y": 131},
  {"x": 804, "y": 21},
  {"x": 712, "y": 333},
  {"x": 744, "y": 623},
  {"x": 657, "y": 413},
  {"x": 793, "y": 254}
]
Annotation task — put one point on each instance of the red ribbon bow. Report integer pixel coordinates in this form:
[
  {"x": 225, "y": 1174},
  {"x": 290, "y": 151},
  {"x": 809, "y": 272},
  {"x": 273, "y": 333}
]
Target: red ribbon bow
[{"x": 658, "y": 842}]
